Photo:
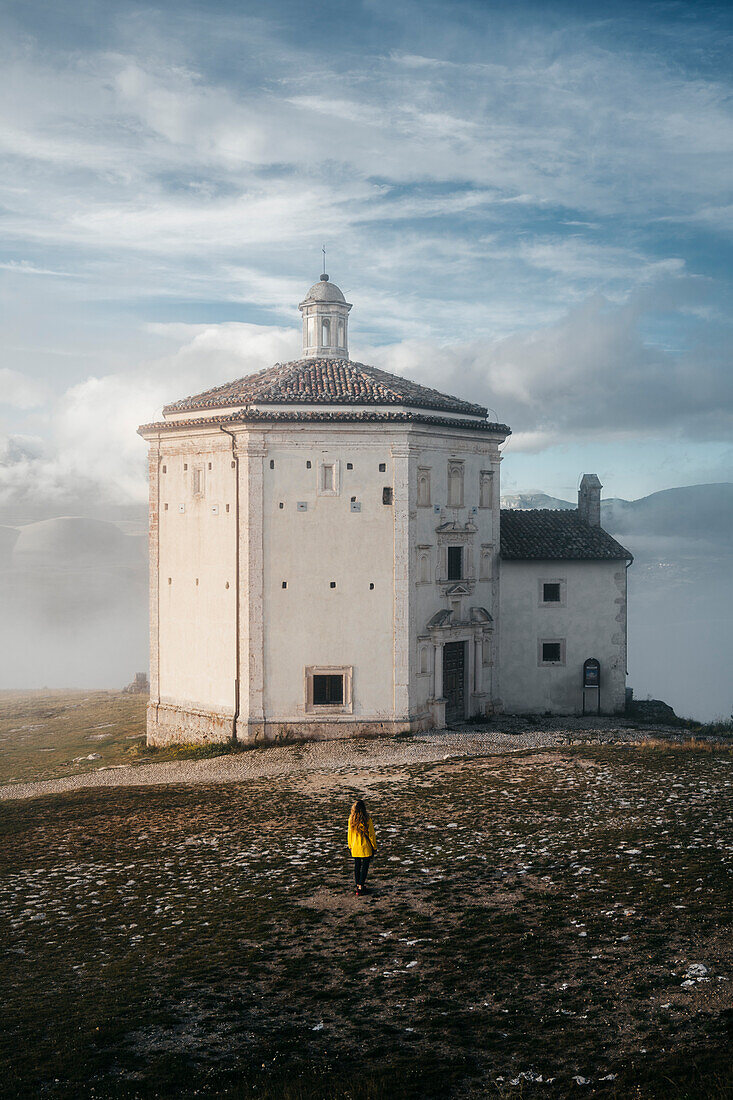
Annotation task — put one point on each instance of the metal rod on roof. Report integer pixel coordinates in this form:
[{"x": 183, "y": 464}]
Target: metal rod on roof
[{"x": 323, "y": 250}]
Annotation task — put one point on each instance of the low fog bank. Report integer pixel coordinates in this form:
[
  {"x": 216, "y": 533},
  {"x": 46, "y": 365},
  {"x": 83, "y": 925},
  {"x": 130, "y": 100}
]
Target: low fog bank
[{"x": 74, "y": 596}]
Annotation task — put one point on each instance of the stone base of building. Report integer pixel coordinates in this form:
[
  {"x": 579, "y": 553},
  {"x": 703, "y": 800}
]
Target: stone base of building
[{"x": 169, "y": 724}]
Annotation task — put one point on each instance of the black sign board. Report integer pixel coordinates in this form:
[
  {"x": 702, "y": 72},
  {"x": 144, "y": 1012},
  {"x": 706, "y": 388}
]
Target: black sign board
[{"x": 591, "y": 673}]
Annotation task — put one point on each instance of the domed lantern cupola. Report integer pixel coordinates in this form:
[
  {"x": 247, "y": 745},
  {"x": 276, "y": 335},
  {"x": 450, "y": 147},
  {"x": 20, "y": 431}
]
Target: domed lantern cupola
[{"x": 325, "y": 321}]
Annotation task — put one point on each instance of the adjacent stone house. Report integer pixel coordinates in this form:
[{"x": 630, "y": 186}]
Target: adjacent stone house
[{"x": 328, "y": 559}]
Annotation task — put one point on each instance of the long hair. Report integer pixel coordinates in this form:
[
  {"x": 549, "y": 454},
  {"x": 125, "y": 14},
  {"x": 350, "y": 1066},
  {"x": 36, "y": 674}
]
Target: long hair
[{"x": 359, "y": 818}]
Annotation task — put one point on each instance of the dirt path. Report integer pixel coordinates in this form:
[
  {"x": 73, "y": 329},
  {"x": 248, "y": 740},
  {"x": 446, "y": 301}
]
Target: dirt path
[{"x": 325, "y": 763}]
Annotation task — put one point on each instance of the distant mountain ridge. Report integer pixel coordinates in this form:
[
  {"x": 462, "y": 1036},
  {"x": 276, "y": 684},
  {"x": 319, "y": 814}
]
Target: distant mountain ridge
[{"x": 690, "y": 511}]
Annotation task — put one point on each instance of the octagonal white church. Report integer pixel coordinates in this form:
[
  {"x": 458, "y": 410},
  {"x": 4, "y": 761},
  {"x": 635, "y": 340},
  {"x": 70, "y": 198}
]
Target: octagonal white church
[{"x": 328, "y": 558}]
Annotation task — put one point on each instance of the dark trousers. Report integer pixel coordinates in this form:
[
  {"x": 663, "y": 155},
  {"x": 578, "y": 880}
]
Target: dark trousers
[{"x": 361, "y": 866}]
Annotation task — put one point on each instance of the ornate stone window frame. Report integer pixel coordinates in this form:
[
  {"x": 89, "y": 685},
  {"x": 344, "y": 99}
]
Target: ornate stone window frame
[
  {"x": 456, "y": 472},
  {"x": 423, "y": 487},
  {"x": 486, "y": 489}
]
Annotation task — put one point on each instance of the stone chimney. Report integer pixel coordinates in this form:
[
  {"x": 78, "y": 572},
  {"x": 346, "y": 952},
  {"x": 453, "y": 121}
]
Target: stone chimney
[{"x": 589, "y": 499}]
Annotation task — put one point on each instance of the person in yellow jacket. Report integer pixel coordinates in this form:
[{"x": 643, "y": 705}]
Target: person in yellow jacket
[{"x": 362, "y": 844}]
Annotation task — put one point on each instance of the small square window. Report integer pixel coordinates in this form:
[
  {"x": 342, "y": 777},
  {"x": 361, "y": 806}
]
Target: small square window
[
  {"x": 349, "y": 465},
  {"x": 333, "y": 584},
  {"x": 281, "y": 505},
  {"x": 165, "y": 507},
  {"x": 233, "y": 464},
  {"x": 371, "y": 586},
  {"x": 328, "y": 691},
  {"x": 308, "y": 464},
  {"x": 285, "y": 584},
  {"x": 552, "y": 651},
  {"x": 329, "y": 686},
  {"x": 387, "y": 495},
  {"x": 551, "y": 592},
  {"x": 382, "y": 467},
  {"x": 165, "y": 469}
]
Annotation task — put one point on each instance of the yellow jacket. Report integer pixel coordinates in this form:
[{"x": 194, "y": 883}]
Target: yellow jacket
[{"x": 358, "y": 843}]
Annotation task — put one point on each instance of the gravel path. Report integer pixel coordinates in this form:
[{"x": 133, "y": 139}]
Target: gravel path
[{"x": 349, "y": 756}]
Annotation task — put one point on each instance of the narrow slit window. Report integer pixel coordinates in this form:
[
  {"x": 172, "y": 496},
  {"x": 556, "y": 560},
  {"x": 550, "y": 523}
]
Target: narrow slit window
[
  {"x": 325, "y": 333},
  {"x": 198, "y": 481},
  {"x": 387, "y": 495},
  {"x": 328, "y": 478}
]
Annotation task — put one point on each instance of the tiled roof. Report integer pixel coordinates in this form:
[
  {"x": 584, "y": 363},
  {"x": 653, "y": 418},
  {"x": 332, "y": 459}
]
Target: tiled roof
[
  {"x": 375, "y": 416},
  {"x": 547, "y": 534},
  {"x": 324, "y": 382}
]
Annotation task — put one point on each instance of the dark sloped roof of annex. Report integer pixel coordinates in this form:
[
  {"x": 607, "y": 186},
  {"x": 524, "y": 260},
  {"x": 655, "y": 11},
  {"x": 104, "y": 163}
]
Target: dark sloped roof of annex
[
  {"x": 325, "y": 382},
  {"x": 543, "y": 533}
]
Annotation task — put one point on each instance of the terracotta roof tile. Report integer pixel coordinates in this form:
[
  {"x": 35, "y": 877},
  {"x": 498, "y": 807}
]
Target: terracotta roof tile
[
  {"x": 548, "y": 534},
  {"x": 325, "y": 381}
]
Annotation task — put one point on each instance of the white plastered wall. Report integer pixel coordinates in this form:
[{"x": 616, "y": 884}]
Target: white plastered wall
[
  {"x": 195, "y": 650},
  {"x": 591, "y": 622},
  {"x": 308, "y": 623}
]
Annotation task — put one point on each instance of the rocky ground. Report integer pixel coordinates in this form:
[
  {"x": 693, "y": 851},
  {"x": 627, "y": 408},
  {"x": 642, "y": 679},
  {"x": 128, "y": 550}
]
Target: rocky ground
[{"x": 550, "y": 915}]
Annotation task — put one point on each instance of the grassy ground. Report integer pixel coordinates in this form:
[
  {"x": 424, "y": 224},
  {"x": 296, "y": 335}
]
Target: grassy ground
[
  {"x": 47, "y": 734},
  {"x": 532, "y": 916},
  {"x": 50, "y": 734}
]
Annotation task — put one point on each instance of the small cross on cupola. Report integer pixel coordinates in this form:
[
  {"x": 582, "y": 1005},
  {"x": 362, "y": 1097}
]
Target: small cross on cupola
[{"x": 325, "y": 321}]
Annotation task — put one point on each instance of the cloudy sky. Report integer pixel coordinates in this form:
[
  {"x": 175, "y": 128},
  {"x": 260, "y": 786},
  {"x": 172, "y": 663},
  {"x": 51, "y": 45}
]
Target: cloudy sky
[{"x": 528, "y": 204}]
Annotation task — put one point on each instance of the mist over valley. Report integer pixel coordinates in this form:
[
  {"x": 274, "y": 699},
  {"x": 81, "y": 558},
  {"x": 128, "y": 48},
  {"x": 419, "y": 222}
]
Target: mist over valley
[{"x": 75, "y": 604}]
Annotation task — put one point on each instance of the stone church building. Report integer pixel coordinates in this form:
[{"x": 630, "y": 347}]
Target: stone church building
[{"x": 328, "y": 558}]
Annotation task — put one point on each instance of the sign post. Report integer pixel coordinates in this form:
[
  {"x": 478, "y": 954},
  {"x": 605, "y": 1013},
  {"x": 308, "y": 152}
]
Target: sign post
[{"x": 592, "y": 681}]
